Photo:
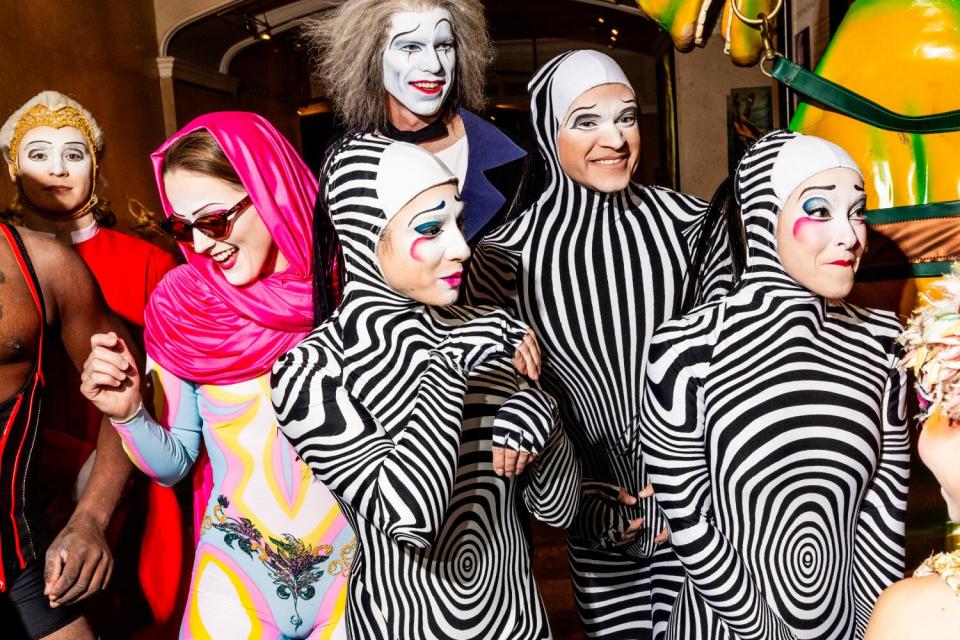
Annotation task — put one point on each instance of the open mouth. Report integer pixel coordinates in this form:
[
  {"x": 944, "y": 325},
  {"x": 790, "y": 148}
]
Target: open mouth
[
  {"x": 429, "y": 87},
  {"x": 226, "y": 258},
  {"x": 610, "y": 162}
]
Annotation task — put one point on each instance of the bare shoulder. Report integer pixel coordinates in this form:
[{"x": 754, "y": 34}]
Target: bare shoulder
[
  {"x": 49, "y": 257},
  {"x": 64, "y": 276},
  {"x": 922, "y": 607}
]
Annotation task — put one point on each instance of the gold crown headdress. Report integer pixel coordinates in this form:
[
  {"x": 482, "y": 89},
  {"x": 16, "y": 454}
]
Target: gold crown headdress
[{"x": 43, "y": 116}]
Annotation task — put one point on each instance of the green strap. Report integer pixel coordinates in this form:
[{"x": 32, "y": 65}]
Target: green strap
[
  {"x": 836, "y": 98},
  {"x": 909, "y": 213},
  {"x": 906, "y": 270}
]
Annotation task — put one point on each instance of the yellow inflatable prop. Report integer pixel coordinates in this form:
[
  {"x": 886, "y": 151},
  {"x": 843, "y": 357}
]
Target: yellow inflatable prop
[
  {"x": 905, "y": 56},
  {"x": 689, "y": 23}
]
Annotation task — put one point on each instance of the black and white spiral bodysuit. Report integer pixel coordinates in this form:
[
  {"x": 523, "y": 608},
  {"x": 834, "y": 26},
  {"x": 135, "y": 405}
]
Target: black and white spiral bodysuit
[
  {"x": 774, "y": 432},
  {"x": 594, "y": 274},
  {"x": 386, "y": 402}
]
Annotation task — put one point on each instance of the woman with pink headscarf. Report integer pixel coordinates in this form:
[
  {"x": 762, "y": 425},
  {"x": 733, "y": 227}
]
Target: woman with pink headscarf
[{"x": 274, "y": 549}]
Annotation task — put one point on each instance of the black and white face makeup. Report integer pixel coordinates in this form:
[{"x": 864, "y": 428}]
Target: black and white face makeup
[
  {"x": 822, "y": 232},
  {"x": 420, "y": 60},
  {"x": 55, "y": 169},
  {"x": 422, "y": 249}
]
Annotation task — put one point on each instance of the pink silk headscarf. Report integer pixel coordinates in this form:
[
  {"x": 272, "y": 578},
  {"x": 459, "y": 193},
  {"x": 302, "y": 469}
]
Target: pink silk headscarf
[{"x": 199, "y": 326}]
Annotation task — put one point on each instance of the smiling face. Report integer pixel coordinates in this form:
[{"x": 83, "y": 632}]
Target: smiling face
[
  {"x": 422, "y": 249},
  {"x": 599, "y": 138},
  {"x": 822, "y": 232},
  {"x": 248, "y": 251},
  {"x": 419, "y": 62},
  {"x": 55, "y": 169}
]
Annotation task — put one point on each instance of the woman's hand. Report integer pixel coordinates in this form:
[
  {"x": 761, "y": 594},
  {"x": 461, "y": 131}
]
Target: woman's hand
[
  {"x": 528, "y": 355},
  {"x": 110, "y": 379}
]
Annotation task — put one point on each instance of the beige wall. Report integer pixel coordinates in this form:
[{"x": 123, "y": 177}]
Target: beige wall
[
  {"x": 704, "y": 78},
  {"x": 104, "y": 59}
]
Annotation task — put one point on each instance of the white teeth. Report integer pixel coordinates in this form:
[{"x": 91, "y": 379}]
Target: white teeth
[
  {"x": 223, "y": 256},
  {"x": 610, "y": 161}
]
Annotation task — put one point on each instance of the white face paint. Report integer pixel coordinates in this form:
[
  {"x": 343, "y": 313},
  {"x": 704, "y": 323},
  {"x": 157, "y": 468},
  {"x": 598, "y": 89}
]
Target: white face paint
[
  {"x": 248, "y": 252},
  {"x": 56, "y": 168},
  {"x": 422, "y": 249},
  {"x": 420, "y": 60}
]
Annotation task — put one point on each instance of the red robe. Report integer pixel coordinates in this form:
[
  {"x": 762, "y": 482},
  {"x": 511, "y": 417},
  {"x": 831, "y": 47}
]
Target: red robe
[{"x": 127, "y": 270}]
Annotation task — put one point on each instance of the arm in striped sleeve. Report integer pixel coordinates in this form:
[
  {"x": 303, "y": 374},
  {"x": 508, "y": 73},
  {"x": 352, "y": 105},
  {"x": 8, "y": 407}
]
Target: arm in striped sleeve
[
  {"x": 878, "y": 556},
  {"x": 672, "y": 437},
  {"x": 552, "y": 490},
  {"x": 400, "y": 482}
]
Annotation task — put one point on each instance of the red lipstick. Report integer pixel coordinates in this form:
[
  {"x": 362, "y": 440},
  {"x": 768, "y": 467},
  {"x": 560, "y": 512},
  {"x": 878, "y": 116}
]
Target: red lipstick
[
  {"x": 429, "y": 90},
  {"x": 454, "y": 279}
]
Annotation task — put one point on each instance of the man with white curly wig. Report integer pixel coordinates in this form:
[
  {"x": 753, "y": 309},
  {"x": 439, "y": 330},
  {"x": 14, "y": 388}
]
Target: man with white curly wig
[{"x": 415, "y": 71}]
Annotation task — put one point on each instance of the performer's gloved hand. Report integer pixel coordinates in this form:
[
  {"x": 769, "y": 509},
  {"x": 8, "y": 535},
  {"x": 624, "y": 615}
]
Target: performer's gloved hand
[
  {"x": 610, "y": 518},
  {"x": 521, "y": 428},
  {"x": 110, "y": 379},
  {"x": 473, "y": 343}
]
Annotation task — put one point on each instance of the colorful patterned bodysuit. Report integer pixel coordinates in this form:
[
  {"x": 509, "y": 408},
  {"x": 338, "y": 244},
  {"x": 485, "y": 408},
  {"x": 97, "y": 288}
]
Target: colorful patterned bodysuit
[{"x": 274, "y": 550}]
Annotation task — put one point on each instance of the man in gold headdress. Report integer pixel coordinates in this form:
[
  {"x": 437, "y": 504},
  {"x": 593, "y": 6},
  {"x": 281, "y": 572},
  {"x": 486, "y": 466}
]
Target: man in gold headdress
[{"x": 53, "y": 148}]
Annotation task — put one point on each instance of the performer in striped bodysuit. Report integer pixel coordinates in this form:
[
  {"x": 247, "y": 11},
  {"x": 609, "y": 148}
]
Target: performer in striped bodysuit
[
  {"x": 595, "y": 265},
  {"x": 773, "y": 423},
  {"x": 387, "y": 402}
]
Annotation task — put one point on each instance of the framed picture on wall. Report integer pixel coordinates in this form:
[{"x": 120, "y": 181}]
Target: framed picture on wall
[{"x": 749, "y": 116}]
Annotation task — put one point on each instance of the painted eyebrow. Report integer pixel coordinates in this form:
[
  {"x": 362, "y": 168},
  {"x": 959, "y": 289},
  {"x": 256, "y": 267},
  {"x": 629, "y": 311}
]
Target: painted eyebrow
[
  {"x": 50, "y": 144},
  {"x": 829, "y": 187},
  {"x": 858, "y": 187},
  {"x": 443, "y": 203},
  {"x": 440, "y": 22},
  {"x": 400, "y": 35},
  {"x": 589, "y": 106}
]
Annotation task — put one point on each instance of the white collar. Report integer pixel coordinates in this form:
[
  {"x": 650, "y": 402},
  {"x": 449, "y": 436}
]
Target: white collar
[{"x": 78, "y": 235}]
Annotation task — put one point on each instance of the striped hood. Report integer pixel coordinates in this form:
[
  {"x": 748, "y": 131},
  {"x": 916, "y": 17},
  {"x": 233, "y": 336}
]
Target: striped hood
[
  {"x": 772, "y": 168},
  {"x": 368, "y": 179},
  {"x": 558, "y": 83}
]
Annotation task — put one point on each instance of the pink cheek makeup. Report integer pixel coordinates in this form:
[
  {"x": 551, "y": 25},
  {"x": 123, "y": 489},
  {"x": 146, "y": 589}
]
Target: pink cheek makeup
[
  {"x": 413, "y": 249},
  {"x": 803, "y": 226}
]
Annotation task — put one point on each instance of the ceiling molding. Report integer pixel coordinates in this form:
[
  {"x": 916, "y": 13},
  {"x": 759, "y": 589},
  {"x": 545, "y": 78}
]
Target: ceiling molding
[
  {"x": 190, "y": 19},
  {"x": 188, "y": 72},
  {"x": 286, "y": 17}
]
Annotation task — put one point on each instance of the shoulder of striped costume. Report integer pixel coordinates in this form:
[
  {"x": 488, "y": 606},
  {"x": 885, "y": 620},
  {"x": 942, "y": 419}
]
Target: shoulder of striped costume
[
  {"x": 508, "y": 238},
  {"x": 318, "y": 351},
  {"x": 703, "y": 321},
  {"x": 880, "y": 322},
  {"x": 685, "y": 200}
]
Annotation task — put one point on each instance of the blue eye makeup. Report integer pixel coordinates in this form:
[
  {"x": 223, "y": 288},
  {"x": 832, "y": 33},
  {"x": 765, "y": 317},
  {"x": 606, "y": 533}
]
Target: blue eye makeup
[
  {"x": 816, "y": 206},
  {"x": 431, "y": 228}
]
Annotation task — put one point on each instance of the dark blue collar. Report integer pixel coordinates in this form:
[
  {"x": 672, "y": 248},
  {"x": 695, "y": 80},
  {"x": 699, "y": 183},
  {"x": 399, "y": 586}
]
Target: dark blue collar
[{"x": 487, "y": 148}]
